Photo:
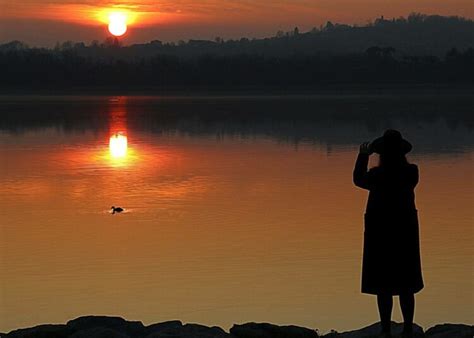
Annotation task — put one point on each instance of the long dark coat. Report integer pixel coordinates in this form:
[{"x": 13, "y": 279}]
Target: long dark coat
[{"x": 391, "y": 261}]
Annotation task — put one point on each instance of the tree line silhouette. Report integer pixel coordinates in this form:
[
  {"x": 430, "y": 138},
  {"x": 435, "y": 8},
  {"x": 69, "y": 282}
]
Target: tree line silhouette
[{"x": 417, "y": 49}]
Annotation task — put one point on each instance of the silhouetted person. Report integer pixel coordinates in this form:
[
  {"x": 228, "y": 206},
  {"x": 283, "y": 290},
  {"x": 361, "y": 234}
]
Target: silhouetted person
[{"x": 391, "y": 261}]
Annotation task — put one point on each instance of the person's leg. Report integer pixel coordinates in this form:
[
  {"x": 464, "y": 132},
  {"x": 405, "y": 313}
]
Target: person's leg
[
  {"x": 385, "y": 304},
  {"x": 407, "y": 304}
]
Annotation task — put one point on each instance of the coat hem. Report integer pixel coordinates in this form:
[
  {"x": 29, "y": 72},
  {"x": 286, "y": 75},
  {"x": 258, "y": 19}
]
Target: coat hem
[{"x": 392, "y": 292}]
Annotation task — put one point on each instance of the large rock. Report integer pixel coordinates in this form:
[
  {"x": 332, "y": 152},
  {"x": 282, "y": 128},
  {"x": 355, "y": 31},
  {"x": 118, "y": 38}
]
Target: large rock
[
  {"x": 373, "y": 331},
  {"x": 40, "y": 331},
  {"x": 451, "y": 331},
  {"x": 130, "y": 328},
  {"x": 116, "y": 327},
  {"x": 187, "y": 331},
  {"x": 265, "y": 330},
  {"x": 169, "y": 326},
  {"x": 98, "y": 332}
]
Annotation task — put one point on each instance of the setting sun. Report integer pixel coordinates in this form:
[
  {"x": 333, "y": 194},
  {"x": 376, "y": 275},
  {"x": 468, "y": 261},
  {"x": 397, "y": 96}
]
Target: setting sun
[{"x": 117, "y": 24}]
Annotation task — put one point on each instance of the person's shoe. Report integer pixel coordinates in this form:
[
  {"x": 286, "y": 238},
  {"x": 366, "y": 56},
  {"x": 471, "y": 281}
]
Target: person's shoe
[{"x": 386, "y": 330}]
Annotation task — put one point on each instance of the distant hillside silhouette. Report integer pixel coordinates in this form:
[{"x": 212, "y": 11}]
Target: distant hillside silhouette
[{"x": 417, "y": 49}]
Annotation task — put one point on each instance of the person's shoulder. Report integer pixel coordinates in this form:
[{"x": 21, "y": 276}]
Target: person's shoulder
[
  {"x": 412, "y": 169},
  {"x": 374, "y": 170}
]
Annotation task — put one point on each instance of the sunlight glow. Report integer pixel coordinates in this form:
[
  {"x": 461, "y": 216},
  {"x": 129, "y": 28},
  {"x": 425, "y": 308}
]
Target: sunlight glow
[
  {"x": 118, "y": 145},
  {"x": 117, "y": 23}
]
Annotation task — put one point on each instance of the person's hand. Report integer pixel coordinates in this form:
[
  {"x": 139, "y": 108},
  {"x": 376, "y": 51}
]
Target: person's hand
[{"x": 365, "y": 149}]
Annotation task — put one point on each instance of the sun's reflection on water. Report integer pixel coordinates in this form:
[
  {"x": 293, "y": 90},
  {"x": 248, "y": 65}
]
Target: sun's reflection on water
[
  {"x": 118, "y": 145},
  {"x": 119, "y": 152}
]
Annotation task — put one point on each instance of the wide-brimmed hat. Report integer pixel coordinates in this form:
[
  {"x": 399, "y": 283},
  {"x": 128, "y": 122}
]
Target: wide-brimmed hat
[{"x": 391, "y": 142}]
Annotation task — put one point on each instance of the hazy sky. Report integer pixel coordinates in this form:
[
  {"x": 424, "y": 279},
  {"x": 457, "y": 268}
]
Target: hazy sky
[{"x": 43, "y": 22}]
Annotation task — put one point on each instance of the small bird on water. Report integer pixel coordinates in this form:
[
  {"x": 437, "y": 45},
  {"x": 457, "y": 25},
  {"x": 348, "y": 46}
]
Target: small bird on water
[{"x": 116, "y": 210}]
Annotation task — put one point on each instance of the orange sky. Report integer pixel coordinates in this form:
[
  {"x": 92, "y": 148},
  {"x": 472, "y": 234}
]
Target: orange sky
[{"x": 43, "y": 22}]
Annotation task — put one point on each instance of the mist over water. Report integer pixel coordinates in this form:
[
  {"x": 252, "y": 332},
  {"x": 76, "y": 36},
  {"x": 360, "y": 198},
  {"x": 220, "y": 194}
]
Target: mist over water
[{"x": 237, "y": 209}]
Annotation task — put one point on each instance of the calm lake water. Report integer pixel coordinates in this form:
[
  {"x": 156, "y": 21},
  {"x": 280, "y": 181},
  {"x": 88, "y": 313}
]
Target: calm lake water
[{"x": 237, "y": 209}]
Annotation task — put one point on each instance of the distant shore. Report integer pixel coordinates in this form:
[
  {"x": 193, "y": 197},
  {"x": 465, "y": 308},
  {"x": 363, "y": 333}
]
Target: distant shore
[{"x": 116, "y": 327}]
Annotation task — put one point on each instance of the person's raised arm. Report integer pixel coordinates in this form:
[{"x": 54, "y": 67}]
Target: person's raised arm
[{"x": 360, "y": 174}]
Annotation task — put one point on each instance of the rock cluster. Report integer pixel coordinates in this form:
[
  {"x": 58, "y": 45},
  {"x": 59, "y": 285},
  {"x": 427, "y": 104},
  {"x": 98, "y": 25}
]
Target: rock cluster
[{"x": 116, "y": 327}]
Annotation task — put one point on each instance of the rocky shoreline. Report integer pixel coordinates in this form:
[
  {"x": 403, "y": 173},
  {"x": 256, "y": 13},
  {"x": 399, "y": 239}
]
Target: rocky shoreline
[{"x": 116, "y": 327}]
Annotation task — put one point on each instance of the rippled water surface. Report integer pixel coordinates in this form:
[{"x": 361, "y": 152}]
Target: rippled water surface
[{"x": 236, "y": 209}]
